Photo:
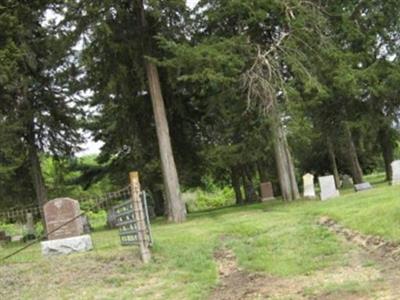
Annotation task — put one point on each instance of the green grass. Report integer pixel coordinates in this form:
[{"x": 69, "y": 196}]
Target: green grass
[{"x": 276, "y": 238}]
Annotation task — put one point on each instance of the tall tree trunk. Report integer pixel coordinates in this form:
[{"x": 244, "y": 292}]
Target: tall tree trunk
[
  {"x": 262, "y": 173},
  {"x": 284, "y": 162},
  {"x": 385, "y": 141},
  {"x": 177, "y": 211},
  {"x": 37, "y": 176},
  {"x": 235, "y": 177},
  {"x": 249, "y": 191},
  {"x": 176, "y": 207},
  {"x": 354, "y": 163},
  {"x": 332, "y": 157}
]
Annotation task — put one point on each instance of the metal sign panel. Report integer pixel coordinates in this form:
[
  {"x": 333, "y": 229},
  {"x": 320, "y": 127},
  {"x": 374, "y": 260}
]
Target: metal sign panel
[{"x": 128, "y": 229}]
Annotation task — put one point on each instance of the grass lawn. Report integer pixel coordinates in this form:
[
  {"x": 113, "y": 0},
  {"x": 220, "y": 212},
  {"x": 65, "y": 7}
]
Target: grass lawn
[{"x": 275, "y": 238}]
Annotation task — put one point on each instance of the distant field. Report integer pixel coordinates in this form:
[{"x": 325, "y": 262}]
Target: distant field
[{"x": 277, "y": 239}]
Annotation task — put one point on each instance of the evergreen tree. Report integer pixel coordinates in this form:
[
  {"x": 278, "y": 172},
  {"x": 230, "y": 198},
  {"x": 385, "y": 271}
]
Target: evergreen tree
[{"x": 37, "y": 86}]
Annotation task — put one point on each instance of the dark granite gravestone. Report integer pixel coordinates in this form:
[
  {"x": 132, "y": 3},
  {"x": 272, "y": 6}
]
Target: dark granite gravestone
[
  {"x": 62, "y": 217},
  {"x": 362, "y": 187},
  {"x": 4, "y": 238},
  {"x": 267, "y": 192}
]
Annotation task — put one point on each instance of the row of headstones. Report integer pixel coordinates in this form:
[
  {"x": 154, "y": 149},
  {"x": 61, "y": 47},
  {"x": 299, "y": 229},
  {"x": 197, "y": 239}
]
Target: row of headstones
[
  {"x": 29, "y": 232},
  {"x": 328, "y": 186}
]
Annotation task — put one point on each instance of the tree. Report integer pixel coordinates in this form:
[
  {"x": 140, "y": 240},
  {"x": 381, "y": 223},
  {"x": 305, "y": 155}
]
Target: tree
[
  {"x": 176, "y": 207},
  {"x": 38, "y": 94},
  {"x": 275, "y": 41},
  {"x": 123, "y": 41}
]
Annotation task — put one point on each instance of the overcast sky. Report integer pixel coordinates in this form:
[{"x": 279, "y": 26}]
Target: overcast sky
[{"x": 92, "y": 147}]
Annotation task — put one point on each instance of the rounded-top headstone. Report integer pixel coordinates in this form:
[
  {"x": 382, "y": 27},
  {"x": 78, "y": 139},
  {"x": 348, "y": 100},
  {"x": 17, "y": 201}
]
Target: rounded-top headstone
[
  {"x": 308, "y": 186},
  {"x": 396, "y": 172},
  {"x": 62, "y": 219}
]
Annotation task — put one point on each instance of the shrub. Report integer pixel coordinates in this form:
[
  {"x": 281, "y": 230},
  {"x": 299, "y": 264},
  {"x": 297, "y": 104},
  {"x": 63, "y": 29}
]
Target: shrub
[{"x": 197, "y": 200}]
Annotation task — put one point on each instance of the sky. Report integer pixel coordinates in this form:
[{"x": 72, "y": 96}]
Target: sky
[
  {"x": 192, "y": 3},
  {"x": 92, "y": 147}
]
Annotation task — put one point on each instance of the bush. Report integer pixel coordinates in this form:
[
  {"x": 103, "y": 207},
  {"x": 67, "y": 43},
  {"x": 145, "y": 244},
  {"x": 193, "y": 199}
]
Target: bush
[
  {"x": 98, "y": 220},
  {"x": 197, "y": 200}
]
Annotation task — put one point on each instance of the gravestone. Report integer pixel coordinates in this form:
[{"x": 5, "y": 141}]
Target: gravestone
[
  {"x": 17, "y": 238},
  {"x": 65, "y": 228},
  {"x": 267, "y": 192},
  {"x": 4, "y": 238},
  {"x": 396, "y": 172},
  {"x": 328, "y": 187},
  {"x": 362, "y": 187},
  {"x": 308, "y": 186},
  {"x": 111, "y": 219},
  {"x": 347, "y": 182},
  {"x": 87, "y": 228},
  {"x": 30, "y": 226},
  {"x": 57, "y": 213}
]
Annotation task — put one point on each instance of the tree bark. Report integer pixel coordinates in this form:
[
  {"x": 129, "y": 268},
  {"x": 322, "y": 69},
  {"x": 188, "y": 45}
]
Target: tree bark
[
  {"x": 37, "y": 175},
  {"x": 235, "y": 177},
  {"x": 354, "y": 163},
  {"x": 250, "y": 192},
  {"x": 262, "y": 171},
  {"x": 385, "y": 141},
  {"x": 284, "y": 162},
  {"x": 177, "y": 211},
  {"x": 176, "y": 207},
  {"x": 332, "y": 157}
]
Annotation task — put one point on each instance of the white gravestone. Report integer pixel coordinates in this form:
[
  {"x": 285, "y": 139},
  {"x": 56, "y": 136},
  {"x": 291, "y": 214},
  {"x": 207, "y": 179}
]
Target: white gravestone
[
  {"x": 396, "y": 172},
  {"x": 308, "y": 186},
  {"x": 328, "y": 187}
]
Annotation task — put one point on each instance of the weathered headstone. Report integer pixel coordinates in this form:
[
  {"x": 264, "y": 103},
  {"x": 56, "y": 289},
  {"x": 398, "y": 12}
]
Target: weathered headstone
[
  {"x": 347, "y": 182},
  {"x": 62, "y": 218},
  {"x": 64, "y": 226},
  {"x": 328, "y": 187},
  {"x": 87, "y": 228},
  {"x": 362, "y": 187},
  {"x": 308, "y": 186},
  {"x": 267, "y": 191},
  {"x": 17, "y": 238},
  {"x": 30, "y": 226},
  {"x": 4, "y": 238},
  {"x": 111, "y": 219},
  {"x": 396, "y": 172}
]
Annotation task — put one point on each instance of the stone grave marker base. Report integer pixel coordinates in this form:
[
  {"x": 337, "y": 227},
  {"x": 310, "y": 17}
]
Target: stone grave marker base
[
  {"x": 81, "y": 243},
  {"x": 365, "y": 186}
]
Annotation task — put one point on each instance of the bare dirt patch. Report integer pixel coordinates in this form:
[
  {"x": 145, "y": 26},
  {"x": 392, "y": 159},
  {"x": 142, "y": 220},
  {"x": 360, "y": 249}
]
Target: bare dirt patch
[
  {"x": 362, "y": 277},
  {"x": 373, "y": 244}
]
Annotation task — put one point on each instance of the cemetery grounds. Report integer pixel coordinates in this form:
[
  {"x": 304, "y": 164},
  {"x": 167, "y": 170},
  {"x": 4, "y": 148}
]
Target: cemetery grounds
[{"x": 272, "y": 250}]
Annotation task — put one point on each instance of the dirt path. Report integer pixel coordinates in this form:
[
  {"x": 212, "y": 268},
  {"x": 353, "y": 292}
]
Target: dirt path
[{"x": 367, "y": 275}]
